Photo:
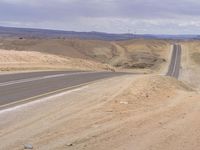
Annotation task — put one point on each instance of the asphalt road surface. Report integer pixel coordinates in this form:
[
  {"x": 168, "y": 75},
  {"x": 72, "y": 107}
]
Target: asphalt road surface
[
  {"x": 174, "y": 68},
  {"x": 24, "y": 87}
]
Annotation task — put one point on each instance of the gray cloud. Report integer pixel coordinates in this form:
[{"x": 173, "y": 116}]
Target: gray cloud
[{"x": 143, "y": 16}]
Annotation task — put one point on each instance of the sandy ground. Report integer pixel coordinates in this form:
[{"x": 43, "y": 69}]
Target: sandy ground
[
  {"x": 139, "y": 112},
  {"x": 11, "y": 60}
]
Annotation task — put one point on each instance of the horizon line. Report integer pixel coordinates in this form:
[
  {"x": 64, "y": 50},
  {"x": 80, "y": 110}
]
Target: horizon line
[{"x": 63, "y": 30}]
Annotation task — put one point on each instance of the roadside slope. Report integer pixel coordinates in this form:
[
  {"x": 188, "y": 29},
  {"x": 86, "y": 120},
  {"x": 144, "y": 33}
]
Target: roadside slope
[
  {"x": 146, "y": 112},
  {"x": 31, "y": 60}
]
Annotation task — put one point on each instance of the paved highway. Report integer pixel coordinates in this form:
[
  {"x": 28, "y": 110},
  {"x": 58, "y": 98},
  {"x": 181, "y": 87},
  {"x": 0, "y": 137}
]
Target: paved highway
[
  {"x": 174, "y": 68},
  {"x": 24, "y": 87}
]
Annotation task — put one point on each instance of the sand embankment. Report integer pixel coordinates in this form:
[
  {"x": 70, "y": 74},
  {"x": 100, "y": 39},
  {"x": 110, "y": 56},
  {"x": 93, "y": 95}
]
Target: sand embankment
[{"x": 140, "y": 112}]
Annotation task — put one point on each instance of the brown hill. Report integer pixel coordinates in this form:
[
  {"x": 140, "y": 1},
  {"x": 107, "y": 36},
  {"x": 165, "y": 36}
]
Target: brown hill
[{"x": 132, "y": 54}]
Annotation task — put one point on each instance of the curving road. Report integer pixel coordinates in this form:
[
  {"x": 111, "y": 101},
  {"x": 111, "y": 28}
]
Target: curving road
[
  {"x": 174, "y": 67},
  {"x": 24, "y": 87}
]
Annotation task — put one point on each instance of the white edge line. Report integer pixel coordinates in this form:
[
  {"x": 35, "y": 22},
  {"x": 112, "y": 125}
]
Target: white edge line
[
  {"x": 40, "y": 100},
  {"x": 39, "y": 78}
]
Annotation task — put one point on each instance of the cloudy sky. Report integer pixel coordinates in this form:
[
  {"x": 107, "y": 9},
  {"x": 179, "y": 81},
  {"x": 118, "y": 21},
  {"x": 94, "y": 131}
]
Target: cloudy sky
[{"x": 116, "y": 16}]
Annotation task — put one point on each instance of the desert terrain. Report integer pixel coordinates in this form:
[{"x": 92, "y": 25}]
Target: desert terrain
[
  {"x": 138, "y": 111},
  {"x": 132, "y": 55}
]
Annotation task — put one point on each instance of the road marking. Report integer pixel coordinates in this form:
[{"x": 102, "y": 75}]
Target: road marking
[
  {"x": 40, "y": 78},
  {"x": 46, "y": 94},
  {"x": 40, "y": 100}
]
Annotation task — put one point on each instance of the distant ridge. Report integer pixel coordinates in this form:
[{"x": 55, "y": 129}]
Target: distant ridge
[{"x": 46, "y": 33}]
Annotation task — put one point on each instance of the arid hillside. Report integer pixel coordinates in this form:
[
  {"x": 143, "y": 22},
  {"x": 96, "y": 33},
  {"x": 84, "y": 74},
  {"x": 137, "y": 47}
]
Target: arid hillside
[
  {"x": 31, "y": 60},
  {"x": 151, "y": 54},
  {"x": 132, "y": 54}
]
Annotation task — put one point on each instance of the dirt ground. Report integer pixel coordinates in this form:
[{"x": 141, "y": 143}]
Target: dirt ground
[{"x": 140, "y": 112}]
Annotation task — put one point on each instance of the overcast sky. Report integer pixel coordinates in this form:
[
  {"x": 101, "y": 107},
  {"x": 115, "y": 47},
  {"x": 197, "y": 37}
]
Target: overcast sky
[{"x": 116, "y": 16}]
